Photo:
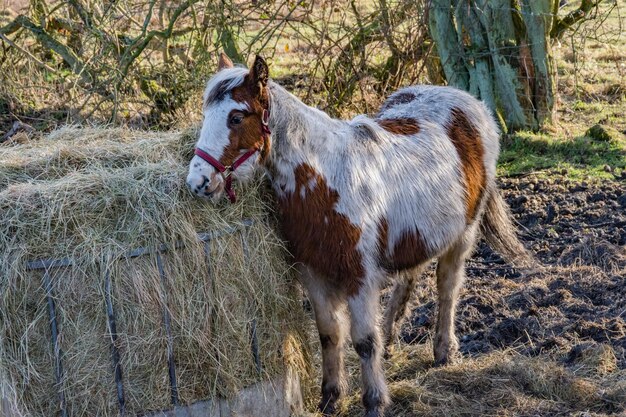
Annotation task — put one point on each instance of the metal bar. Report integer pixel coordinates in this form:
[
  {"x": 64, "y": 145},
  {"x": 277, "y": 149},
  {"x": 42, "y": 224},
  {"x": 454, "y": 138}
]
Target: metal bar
[
  {"x": 213, "y": 328},
  {"x": 167, "y": 319},
  {"x": 58, "y": 364},
  {"x": 254, "y": 340},
  {"x": 206, "y": 236},
  {"x": 49, "y": 263},
  {"x": 115, "y": 353},
  {"x": 203, "y": 236},
  {"x": 207, "y": 253}
]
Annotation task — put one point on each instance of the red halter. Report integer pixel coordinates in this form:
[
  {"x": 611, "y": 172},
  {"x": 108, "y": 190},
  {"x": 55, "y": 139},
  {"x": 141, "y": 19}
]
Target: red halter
[{"x": 226, "y": 171}]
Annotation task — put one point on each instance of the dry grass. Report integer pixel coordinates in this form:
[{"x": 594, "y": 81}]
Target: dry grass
[
  {"x": 502, "y": 383},
  {"x": 93, "y": 195}
]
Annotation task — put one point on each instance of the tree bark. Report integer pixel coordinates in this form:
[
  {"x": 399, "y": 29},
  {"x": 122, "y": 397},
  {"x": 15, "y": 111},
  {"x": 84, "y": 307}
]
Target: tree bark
[{"x": 499, "y": 50}]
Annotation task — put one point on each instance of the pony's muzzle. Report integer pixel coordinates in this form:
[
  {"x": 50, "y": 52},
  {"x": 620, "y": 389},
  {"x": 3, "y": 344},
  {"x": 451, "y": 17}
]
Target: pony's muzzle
[{"x": 209, "y": 188}]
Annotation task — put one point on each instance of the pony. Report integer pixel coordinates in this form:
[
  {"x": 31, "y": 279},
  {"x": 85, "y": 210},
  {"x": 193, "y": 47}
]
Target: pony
[{"x": 361, "y": 200}]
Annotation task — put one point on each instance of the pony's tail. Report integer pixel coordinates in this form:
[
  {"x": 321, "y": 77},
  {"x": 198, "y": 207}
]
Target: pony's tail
[{"x": 500, "y": 233}]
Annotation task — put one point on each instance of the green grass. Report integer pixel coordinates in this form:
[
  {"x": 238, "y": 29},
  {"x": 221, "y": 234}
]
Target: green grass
[
  {"x": 581, "y": 156},
  {"x": 590, "y": 107}
]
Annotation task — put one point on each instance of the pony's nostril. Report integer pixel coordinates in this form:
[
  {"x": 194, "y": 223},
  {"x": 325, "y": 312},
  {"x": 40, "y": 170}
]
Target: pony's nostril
[{"x": 205, "y": 180}]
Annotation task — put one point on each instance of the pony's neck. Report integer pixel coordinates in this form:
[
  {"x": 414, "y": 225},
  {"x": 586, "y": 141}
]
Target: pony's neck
[{"x": 300, "y": 134}]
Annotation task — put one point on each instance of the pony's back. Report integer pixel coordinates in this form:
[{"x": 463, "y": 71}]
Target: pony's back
[{"x": 439, "y": 106}]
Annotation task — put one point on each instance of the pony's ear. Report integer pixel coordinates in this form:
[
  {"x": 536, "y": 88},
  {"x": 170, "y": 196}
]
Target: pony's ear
[
  {"x": 224, "y": 62},
  {"x": 260, "y": 72}
]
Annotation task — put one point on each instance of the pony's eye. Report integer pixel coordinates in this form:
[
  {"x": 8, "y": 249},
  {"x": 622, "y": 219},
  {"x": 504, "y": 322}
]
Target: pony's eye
[{"x": 236, "y": 119}]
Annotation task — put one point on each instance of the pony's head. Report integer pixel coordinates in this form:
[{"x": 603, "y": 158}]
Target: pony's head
[{"x": 234, "y": 137}]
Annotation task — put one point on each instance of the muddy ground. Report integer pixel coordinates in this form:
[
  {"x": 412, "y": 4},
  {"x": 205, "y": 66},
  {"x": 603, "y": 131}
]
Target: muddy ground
[{"x": 578, "y": 231}]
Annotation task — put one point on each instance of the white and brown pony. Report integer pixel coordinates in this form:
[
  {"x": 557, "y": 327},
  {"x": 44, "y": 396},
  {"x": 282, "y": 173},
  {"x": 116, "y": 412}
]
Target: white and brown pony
[{"x": 359, "y": 200}]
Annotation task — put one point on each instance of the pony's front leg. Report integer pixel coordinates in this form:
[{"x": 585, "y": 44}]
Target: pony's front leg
[
  {"x": 366, "y": 338},
  {"x": 330, "y": 316}
]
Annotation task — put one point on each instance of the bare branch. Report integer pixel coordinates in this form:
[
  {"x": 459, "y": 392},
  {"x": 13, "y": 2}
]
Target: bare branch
[
  {"x": 28, "y": 54},
  {"x": 138, "y": 46},
  {"x": 70, "y": 58},
  {"x": 572, "y": 18}
]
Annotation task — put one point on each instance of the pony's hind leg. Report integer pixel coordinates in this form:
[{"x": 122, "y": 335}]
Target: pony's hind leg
[
  {"x": 397, "y": 306},
  {"x": 366, "y": 338},
  {"x": 331, "y": 320},
  {"x": 450, "y": 276}
]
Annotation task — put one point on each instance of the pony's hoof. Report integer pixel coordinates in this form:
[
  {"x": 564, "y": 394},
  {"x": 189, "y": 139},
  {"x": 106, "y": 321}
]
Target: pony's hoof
[
  {"x": 327, "y": 410},
  {"x": 330, "y": 396},
  {"x": 446, "y": 351},
  {"x": 328, "y": 407},
  {"x": 449, "y": 358}
]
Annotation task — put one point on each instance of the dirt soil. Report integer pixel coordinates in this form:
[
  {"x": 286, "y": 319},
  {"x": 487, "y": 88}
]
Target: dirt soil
[{"x": 578, "y": 231}]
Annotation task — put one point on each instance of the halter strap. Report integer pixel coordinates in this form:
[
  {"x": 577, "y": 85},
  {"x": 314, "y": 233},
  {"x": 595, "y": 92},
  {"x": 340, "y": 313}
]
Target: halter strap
[{"x": 226, "y": 171}]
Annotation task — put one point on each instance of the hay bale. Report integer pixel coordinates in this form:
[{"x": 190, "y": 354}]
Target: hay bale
[{"x": 92, "y": 195}]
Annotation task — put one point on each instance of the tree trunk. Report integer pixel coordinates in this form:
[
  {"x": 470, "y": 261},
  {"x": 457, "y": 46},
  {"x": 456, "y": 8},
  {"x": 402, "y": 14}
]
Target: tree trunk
[{"x": 499, "y": 50}]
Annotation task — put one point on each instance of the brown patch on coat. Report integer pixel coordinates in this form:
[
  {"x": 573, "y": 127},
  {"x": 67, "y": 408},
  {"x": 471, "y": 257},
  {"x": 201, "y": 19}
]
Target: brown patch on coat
[
  {"x": 401, "y": 126},
  {"x": 253, "y": 94},
  {"x": 408, "y": 252},
  {"x": 397, "y": 99},
  {"x": 467, "y": 141},
  {"x": 319, "y": 236},
  {"x": 249, "y": 133}
]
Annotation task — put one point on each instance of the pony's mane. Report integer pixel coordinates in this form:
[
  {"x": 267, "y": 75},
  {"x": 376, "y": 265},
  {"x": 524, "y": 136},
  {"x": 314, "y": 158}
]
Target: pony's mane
[{"x": 223, "y": 82}]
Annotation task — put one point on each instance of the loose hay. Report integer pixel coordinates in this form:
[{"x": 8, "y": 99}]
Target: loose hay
[
  {"x": 501, "y": 383},
  {"x": 92, "y": 195}
]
